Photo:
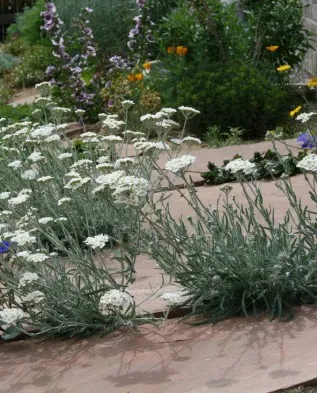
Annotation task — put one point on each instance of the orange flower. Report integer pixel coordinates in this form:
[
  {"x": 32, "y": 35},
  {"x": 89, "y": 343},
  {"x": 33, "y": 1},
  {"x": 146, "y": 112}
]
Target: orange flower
[
  {"x": 147, "y": 66},
  {"x": 139, "y": 76},
  {"x": 131, "y": 78},
  {"x": 272, "y": 48},
  {"x": 170, "y": 50}
]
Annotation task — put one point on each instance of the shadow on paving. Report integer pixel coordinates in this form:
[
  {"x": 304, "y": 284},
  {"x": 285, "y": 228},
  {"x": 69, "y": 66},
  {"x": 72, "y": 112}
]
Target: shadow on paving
[{"x": 240, "y": 355}]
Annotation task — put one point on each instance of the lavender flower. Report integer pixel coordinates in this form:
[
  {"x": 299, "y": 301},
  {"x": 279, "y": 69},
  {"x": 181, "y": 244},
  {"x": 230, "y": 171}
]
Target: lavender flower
[{"x": 307, "y": 140}]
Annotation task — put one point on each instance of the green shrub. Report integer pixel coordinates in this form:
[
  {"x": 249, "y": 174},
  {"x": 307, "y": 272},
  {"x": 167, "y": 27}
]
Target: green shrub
[
  {"x": 277, "y": 22},
  {"x": 28, "y": 24},
  {"x": 229, "y": 95},
  {"x": 31, "y": 69},
  {"x": 5, "y": 93},
  {"x": 16, "y": 114},
  {"x": 7, "y": 62}
]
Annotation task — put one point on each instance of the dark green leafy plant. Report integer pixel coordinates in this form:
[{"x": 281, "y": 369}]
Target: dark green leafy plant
[
  {"x": 16, "y": 114},
  {"x": 268, "y": 164}
]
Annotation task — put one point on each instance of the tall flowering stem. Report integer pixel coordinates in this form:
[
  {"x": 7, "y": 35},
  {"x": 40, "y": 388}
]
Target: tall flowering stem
[
  {"x": 75, "y": 53},
  {"x": 141, "y": 36}
]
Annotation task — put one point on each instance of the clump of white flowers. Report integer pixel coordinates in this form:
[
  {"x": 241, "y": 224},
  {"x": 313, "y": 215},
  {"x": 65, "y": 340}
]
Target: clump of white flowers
[
  {"x": 180, "y": 164},
  {"x": 308, "y": 163},
  {"x": 130, "y": 190},
  {"x": 172, "y": 299},
  {"x": 115, "y": 301},
  {"x": 28, "y": 278},
  {"x": 10, "y": 316},
  {"x": 98, "y": 241},
  {"x": 22, "y": 238},
  {"x": 240, "y": 165},
  {"x": 34, "y": 297}
]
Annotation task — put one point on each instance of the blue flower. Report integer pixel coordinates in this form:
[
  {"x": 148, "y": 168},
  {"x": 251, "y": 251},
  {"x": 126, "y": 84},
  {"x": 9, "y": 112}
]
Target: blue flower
[
  {"x": 5, "y": 247},
  {"x": 306, "y": 140}
]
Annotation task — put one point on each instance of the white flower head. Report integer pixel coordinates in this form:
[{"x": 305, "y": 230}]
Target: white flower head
[
  {"x": 190, "y": 139},
  {"x": 177, "y": 165},
  {"x": 30, "y": 174},
  {"x": 130, "y": 190},
  {"x": 37, "y": 257},
  {"x": 98, "y": 241},
  {"x": 240, "y": 165},
  {"x": 10, "y": 316},
  {"x": 188, "y": 112},
  {"x": 34, "y": 297},
  {"x": 77, "y": 182},
  {"x": 15, "y": 164},
  {"x": 45, "y": 179},
  {"x": 22, "y": 238},
  {"x": 112, "y": 138},
  {"x": 80, "y": 112},
  {"x": 63, "y": 156},
  {"x": 28, "y": 278},
  {"x": 45, "y": 220},
  {"x": 115, "y": 301},
  {"x": 304, "y": 117},
  {"x": 36, "y": 156},
  {"x": 308, "y": 163},
  {"x": 4, "y": 195},
  {"x": 63, "y": 200},
  {"x": 42, "y": 131},
  {"x": 173, "y": 299},
  {"x": 127, "y": 103},
  {"x": 80, "y": 163}
]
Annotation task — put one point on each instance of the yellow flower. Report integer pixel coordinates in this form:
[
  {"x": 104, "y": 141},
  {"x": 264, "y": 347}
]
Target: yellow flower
[
  {"x": 285, "y": 67},
  {"x": 312, "y": 82},
  {"x": 147, "y": 65},
  {"x": 272, "y": 48},
  {"x": 294, "y": 111},
  {"x": 170, "y": 50}
]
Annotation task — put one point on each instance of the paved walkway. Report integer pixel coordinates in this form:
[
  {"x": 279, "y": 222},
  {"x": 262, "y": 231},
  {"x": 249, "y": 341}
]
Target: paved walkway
[{"x": 241, "y": 355}]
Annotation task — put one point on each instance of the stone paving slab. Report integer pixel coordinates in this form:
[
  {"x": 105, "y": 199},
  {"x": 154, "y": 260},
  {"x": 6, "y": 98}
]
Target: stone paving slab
[{"x": 241, "y": 355}]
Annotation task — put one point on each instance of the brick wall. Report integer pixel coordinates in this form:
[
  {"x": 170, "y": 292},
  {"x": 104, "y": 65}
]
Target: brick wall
[{"x": 310, "y": 22}]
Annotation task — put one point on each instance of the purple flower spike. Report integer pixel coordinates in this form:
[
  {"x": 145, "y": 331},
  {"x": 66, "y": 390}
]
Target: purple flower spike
[{"x": 306, "y": 140}]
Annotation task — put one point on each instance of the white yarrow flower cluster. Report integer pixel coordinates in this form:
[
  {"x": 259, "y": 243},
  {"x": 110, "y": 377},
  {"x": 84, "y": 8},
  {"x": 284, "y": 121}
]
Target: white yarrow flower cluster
[
  {"x": 188, "y": 112},
  {"x": 63, "y": 156},
  {"x": 44, "y": 179},
  {"x": 28, "y": 278},
  {"x": 130, "y": 190},
  {"x": 22, "y": 238},
  {"x": 36, "y": 156},
  {"x": 308, "y": 163},
  {"x": 304, "y": 117},
  {"x": 30, "y": 174},
  {"x": 115, "y": 301},
  {"x": 98, "y": 241},
  {"x": 240, "y": 165},
  {"x": 173, "y": 299},
  {"x": 61, "y": 201},
  {"x": 177, "y": 165},
  {"x": 45, "y": 220},
  {"x": 22, "y": 197},
  {"x": 37, "y": 257},
  {"x": 15, "y": 164},
  {"x": 5, "y": 195},
  {"x": 108, "y": 180},
  {"x": 34, "y": 297},
  {"x": 10, "y": 316}
]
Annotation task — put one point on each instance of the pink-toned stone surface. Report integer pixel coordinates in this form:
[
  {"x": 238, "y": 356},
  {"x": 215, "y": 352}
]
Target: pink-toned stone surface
[{"x": 241, "y": 355}]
